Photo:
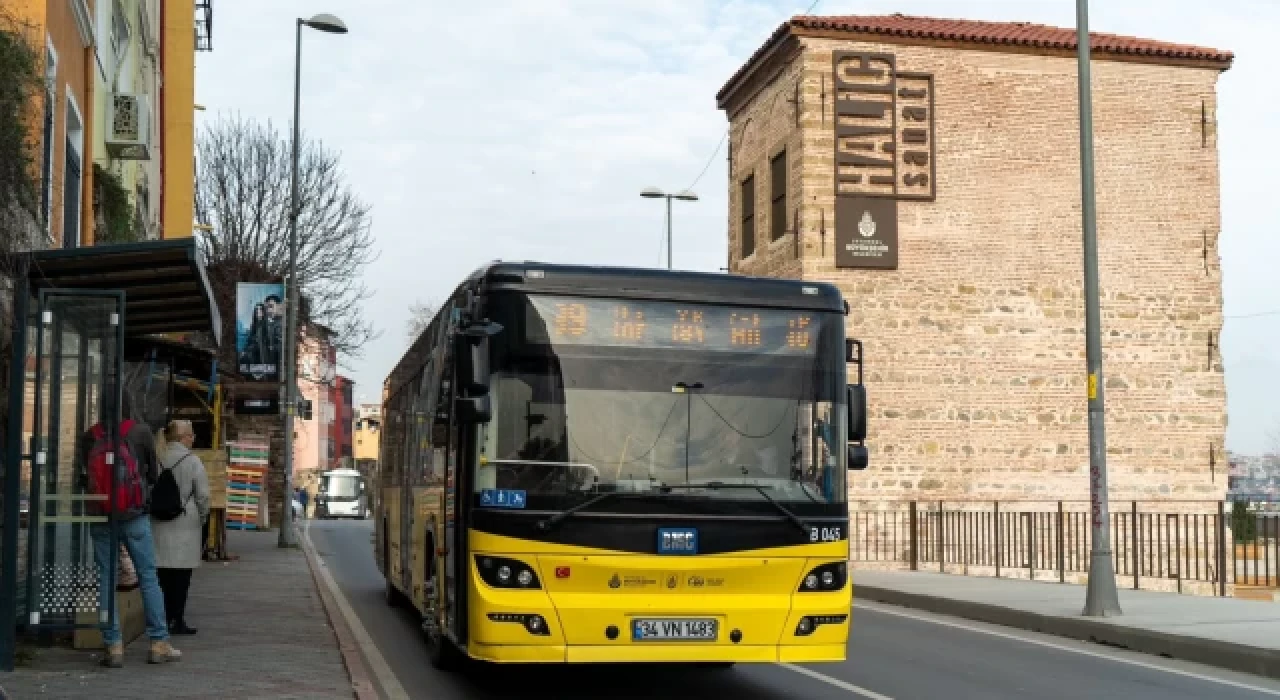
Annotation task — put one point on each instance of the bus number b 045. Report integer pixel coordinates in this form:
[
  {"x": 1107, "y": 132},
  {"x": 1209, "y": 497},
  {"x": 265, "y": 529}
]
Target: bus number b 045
[{"x": 825, "y": 534}]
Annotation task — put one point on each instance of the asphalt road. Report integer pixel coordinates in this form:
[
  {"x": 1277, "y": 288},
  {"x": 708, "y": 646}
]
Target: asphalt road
[{"x": 893, "y": 653}]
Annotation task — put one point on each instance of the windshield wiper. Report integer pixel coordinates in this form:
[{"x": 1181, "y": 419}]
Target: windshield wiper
[
  {"x": 717, "y": 485},
  {"x": 546, "y": 524}
]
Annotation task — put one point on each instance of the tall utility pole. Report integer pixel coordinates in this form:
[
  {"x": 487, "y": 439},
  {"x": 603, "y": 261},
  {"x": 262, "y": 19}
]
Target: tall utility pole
[
  {"x": 669, "y": 233},
  {"x": 1101, "y": 597},
  {"x": 333, "y": 25}
]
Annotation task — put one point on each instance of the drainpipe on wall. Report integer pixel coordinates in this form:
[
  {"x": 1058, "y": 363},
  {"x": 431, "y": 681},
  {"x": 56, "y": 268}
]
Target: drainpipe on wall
[
  {"x": 160, "y": 114},
  {"x": 87, "y": 213}
]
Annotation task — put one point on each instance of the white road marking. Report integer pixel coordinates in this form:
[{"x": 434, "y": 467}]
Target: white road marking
[
  {"x": 381, "y": 670},
  {"x": 1063, "y": 647},
  {"x": 856, "y": 690}
]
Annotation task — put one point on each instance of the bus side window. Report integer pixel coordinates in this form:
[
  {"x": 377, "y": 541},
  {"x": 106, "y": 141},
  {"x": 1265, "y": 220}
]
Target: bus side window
[
  {"x": 410, "y": 435},
  {"x": 423, "y": 416}
]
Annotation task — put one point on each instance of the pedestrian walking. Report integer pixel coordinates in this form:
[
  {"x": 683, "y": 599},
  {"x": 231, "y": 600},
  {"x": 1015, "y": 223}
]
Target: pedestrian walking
[
  {"x": 182, "y": 508},
  {"x": 302, "y": 500},
  {"x": 122, "y": 474}
]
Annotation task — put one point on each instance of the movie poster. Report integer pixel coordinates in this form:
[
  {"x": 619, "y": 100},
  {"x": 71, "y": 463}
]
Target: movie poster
[{"x": 259, "y": 330}]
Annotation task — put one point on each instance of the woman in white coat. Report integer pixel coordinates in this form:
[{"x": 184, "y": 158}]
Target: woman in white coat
[{"x": 178, "y": 542}]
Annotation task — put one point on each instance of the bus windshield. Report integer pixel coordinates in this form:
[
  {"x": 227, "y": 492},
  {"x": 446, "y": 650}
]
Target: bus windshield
[
  {"x": 613, "y": 395},
  {"x": 340, "y": 487}
]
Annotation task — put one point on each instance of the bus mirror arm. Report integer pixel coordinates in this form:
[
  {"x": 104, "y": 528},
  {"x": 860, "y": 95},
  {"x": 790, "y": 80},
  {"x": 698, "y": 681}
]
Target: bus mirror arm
[{"x": 484, "y": 328}]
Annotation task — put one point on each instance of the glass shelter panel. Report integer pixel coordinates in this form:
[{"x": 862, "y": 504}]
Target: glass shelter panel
[
  {"x": 76, "y": 387},
  {"x": 22, "y": 456}
]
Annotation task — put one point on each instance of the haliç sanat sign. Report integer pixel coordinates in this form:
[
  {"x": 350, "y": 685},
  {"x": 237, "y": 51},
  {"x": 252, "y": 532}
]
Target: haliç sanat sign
[{"x": 885, "y": 152}]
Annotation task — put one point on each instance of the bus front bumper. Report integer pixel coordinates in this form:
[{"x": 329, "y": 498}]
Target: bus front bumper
[
  {"x": 752, "y": 605},
  {"x": 659, "y": 653}
]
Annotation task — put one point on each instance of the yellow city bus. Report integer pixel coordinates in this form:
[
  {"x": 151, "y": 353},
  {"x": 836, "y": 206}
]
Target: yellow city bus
[{"x": 584, "y": 464}]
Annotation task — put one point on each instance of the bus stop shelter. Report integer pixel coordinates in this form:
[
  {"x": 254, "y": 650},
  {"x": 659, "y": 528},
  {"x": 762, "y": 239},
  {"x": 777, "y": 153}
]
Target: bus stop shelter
[{"x": 77, "y": 314}]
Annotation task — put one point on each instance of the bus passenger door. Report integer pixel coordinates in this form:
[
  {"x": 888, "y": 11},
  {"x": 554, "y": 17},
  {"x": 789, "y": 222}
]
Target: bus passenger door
[
  {"x": 454, "y": 588},
  {"x": 455, "y": 495}
]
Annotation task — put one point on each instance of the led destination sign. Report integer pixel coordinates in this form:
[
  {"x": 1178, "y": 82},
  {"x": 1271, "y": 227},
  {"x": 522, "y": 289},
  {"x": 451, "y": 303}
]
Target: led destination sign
[{"x": 628, "y": 323}]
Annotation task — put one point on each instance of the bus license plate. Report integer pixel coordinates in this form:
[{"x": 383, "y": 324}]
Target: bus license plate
[{"x": 698, "y": 629}]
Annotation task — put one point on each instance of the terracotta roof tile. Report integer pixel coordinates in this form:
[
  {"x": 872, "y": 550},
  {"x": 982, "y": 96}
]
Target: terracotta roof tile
[{"x": 1024, "y": 34}]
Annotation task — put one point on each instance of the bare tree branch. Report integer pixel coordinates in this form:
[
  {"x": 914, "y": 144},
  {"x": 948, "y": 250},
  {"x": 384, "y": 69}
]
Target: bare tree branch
[
  {"x": 243, "y": 191},
  {"x": 420, "y": 315}
]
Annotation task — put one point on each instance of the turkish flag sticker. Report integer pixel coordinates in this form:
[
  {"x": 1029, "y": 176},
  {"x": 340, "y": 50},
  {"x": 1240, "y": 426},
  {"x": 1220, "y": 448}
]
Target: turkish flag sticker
[{"x": 562, "y": 572}]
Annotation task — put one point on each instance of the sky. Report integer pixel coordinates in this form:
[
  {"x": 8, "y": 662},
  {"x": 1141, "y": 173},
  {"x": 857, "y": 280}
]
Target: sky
[{"x": 525, "y": 129}]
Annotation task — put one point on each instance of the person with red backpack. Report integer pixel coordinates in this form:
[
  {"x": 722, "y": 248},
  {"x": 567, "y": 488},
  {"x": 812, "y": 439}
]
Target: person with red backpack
[{"x": 122, "y": 475}]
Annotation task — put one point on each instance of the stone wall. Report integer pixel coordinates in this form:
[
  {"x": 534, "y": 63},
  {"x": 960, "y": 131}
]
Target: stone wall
[{"x": 974, "y": 344}]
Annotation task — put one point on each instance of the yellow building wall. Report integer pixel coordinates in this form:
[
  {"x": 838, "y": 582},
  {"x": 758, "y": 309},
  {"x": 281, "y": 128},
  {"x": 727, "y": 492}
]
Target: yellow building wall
[
  {"x": 366, "y": 441},
  {"x": 178, "y": 121}
]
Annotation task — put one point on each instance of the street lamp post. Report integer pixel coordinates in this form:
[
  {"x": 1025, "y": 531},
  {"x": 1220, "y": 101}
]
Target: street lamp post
[
  {"x": 1101, "y": 597},
  {"x": 333, "y": 25},
  {"x": 655, "y": 193}
]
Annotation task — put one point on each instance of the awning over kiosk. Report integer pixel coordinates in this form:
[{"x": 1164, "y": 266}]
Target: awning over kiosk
[{"x": 165, "y": 283}]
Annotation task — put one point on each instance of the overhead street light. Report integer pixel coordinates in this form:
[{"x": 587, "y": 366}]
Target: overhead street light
[
  {"x": 328, "y": 23},
  {"x": 657, "y": 193}
]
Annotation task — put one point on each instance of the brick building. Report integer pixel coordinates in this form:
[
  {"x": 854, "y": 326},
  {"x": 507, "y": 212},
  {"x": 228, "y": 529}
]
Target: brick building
[{"x": 949, "y": 214}]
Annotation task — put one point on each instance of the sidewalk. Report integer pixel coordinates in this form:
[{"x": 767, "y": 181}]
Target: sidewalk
[
  {"x": 1241, "y": 635},
  {"x": 263, "y": 633}
]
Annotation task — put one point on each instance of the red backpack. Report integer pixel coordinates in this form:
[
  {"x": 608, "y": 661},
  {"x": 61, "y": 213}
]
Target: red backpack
[{"x": 129, "y": 497}]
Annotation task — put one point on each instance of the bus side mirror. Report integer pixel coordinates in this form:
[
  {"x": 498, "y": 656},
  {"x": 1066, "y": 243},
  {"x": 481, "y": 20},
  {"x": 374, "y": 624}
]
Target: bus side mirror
[
  {"x": 472, "y": 398},
  {"x": 858, "y": 456},
  {"x": 472, "y": 403},
  {"x": 473, "y": 409},
  {"x": 857, "y": 395},
  {"x": 473, "y": 365},
  {"x": 473, "y": 357}
]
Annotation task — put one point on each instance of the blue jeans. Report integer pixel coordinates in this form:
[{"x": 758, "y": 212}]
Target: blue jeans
[{"x": 135, "y": 534}]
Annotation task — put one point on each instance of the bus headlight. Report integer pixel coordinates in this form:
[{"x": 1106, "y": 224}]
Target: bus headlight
[
  {"x": 533, "y": 624},
  {"x": 808, "y": 624},
  {"x": 501, "y": 572},
  {"x": 827, "y": 577}
]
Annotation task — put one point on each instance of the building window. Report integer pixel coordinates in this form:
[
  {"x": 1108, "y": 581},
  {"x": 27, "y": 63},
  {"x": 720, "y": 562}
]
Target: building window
[
  {"x": 778, "y": 195},
  {"x": 71, "y": 175},
  {"x": 749, "y": 216},
  {"x": 119, "y": 29}
]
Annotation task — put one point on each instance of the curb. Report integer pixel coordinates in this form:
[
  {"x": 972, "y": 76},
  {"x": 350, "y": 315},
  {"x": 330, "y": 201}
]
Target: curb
[
  {"x": 361, "y": 681},
  {"x": 1225, "y": 655}
]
